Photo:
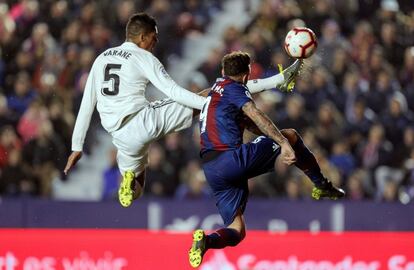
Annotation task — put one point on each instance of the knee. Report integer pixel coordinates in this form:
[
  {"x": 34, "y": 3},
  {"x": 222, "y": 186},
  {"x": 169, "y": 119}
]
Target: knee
[
  {"x": 291, "y": 134},
  {"x": 242, "y": 235}
]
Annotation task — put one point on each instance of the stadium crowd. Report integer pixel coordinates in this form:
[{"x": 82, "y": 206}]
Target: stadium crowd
[{"x": 353, "y": 101}]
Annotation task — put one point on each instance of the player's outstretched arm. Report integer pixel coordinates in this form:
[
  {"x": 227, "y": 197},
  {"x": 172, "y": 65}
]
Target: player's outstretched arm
[
  {"x": 268, "y": 128},
  {"x": 158, "y": 76},
  {"x": 82, "y": 122},
  {"x": 203, "y": 93}
]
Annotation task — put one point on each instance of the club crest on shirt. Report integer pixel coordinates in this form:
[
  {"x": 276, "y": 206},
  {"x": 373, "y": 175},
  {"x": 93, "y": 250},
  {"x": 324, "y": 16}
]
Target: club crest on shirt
[{"x": 164, "y": 72}]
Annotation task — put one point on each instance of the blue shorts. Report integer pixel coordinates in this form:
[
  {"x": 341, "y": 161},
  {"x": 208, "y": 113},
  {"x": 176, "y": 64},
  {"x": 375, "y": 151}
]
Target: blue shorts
[{"x": 227, "y": 174}]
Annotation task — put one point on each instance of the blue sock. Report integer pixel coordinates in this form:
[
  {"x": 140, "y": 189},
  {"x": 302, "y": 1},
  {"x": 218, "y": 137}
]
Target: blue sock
[
  {"x": 306, "y": 161},
  {"x": 222, "y": 238}
]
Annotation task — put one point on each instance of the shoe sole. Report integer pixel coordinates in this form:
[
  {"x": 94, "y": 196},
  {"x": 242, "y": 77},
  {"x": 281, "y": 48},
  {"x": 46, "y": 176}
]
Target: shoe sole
[
  {"x": 317, "y": 195},
  {"x": 195, "y": 256},
  {"x": 125, "y": 193},
  {"x": 288, "y": 85}
]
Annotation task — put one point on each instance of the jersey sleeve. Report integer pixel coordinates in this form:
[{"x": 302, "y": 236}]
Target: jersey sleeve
[
  {"x": 85, "y": 113},
  {"x": 259, "y": 85},
  {"x": 239, "y": 96},
  {"x": 158, "y": 76}
]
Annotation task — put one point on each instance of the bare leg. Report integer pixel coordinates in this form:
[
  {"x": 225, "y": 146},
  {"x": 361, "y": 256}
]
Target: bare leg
[
  {"x": 229, "y": 236},
  {"x": 232, "y": 235},
  {"x": 138, "y": 185}
]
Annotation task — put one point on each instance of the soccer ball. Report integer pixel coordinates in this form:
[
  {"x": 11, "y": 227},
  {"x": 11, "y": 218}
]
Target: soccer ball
[{"x": 300, "y": 42}]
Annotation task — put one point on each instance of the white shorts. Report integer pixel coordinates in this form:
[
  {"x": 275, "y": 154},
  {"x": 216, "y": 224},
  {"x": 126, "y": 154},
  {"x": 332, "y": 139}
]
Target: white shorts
[{"x": 150, "y": 124}]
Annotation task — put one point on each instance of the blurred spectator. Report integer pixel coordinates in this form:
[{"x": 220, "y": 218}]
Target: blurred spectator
[
  {"x": 8, "y": 142},
  {"x": 294, "y": 115},
  {"x": 175, "y": 153},
  {"x": 356, "y": 186},
  {"x": 258, "y": 41},
  {"x": 328, "y": 125},
  {"x": 111, "y": 178},
  {"x": 161, "y": 10},
  {"x": 293, "y": 189},
  {"x": 342, "y": 158},
  {"x": 358, "y": 123},
  {"x": 7, "y": 117},
  {"x": 309, "y": 94},
  {"x": 383, "y": 89},
  {"x": 25, "y": 14},
  {"x": 375, "y": 150},
  {"x": 340, "y": 66},
  {"x": 330, "y": 42},
  {"x": 46, "y": 155},
  {"x": 397, "y": 118},
  {"x": 407, "y": 70},
  {"x": 29, "y": 124},
  {"x": 211, "y": 68},
  {"x": 22, "y": 95},
  {"x": 194, "y": 184},
  {"x": 159, "y": 173},
  {"x": 40, "y": 43},
  {"x": 15, "y": 179},
  {"x": 392, "y": 46},
  {"x": 390, "y": 191},
  {"x": 232, "y": 39}
]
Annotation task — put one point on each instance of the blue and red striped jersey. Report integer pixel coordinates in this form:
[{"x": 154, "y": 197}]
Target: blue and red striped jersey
[{"x": 221, "y": 127}]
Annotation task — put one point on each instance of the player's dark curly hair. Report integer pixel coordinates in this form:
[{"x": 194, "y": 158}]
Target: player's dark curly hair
[
  {"x": 236, "y": 63},
  {"x": 140, "y": 23}
]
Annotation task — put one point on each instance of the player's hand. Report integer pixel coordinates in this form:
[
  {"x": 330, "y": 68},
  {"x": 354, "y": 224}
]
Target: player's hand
[
  {"x": 72, "y": 160},
  {"x": 287, "y": 153}
]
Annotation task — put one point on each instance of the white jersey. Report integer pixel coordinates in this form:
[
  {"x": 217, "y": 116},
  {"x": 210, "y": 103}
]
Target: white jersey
[{"x": 116, "y": 85}]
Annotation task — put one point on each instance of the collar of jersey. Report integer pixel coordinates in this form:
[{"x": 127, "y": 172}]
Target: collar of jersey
[
  {"x": 228, "y": 78},
  {"x": 130, "y": 44}
]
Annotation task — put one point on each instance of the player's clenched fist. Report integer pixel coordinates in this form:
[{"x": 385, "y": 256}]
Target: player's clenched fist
[{"x": 73, "y": 158}]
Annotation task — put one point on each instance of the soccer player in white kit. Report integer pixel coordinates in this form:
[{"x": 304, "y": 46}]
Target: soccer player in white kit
[{"x": 116, "y": 85}]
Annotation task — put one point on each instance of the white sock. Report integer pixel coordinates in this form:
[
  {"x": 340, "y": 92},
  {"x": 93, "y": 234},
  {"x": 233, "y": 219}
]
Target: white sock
[{"x": 259, "y": 85}]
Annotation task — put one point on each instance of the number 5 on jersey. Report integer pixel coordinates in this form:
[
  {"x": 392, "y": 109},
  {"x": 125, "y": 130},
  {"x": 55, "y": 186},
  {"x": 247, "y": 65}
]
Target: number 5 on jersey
[
  {"x": 203, "y": 115},
  {"x": 111, "y": 78}
]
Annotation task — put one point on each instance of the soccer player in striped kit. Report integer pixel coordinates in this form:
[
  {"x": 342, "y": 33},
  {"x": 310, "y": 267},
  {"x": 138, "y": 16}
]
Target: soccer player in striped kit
[{"x": 228, "y": 163}]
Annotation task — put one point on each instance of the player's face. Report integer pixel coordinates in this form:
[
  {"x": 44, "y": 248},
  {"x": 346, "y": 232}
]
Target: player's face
[
  {"x": 247, "y": 76},
  {"x": 150, "y": 41}
]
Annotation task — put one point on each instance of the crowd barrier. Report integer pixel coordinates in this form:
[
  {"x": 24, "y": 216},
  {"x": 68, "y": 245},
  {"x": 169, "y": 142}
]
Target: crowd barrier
[{"x": 157, "y": 214}]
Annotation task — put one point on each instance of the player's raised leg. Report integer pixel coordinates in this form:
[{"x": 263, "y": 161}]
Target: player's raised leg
[
  {"x": 306, "y": 161},
  {"x": 289, "y": 75},
  {"x": 231, "y": 235}
]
